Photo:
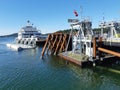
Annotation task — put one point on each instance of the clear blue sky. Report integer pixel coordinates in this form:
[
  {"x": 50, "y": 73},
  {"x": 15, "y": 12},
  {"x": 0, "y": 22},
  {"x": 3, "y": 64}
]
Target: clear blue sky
[{"x": 52, "y": 15}]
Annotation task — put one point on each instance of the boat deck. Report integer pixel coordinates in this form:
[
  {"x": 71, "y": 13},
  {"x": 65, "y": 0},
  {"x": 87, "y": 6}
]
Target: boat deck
[
  {"x": 76, "y": 58},
  {"x": 41, "y": 42},
  {"x": 19, "y": 47}
]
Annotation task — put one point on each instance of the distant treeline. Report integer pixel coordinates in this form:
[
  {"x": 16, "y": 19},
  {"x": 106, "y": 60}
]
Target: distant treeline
[
  {"x": 13, "y": 35},
  {"x": 66, "y": 31},
  {"x": 95, "y": 30},
  {"x": 16, "y": 34}
]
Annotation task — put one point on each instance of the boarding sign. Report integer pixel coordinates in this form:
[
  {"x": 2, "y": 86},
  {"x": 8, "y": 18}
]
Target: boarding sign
[{"x": 73, "y": 20}]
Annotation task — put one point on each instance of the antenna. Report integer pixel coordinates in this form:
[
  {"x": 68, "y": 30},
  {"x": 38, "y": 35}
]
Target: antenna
[
  {"x": 28, "y": 21},
  {"x": 103, "y": 17},
  {"x": 81, "y": 11}
]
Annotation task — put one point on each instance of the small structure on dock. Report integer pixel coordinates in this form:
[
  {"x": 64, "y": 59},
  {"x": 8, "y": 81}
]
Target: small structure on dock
[{"x": 82, "y": 50}]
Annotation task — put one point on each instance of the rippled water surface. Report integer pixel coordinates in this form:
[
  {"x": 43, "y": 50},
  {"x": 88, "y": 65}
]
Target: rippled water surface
[{"x": 25, "y": 70}]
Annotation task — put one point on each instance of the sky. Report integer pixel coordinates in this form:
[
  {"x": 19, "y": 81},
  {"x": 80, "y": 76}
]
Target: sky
[{"x": 52, "y": 15}]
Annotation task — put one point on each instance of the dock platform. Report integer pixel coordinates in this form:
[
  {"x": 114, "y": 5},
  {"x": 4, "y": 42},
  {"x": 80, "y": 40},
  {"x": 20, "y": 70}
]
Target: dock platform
[
  {"x": 81, "y": 60},
  {"x": 41, "y": 42}
]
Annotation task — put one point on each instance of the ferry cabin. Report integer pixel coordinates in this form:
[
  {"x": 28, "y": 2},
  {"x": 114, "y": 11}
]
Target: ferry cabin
[{"x": 28, "y": 32}]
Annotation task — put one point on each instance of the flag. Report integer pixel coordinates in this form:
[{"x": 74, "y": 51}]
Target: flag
[{"x": 75, "y": 12}]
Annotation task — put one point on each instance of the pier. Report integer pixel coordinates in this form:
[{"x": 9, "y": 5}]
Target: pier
[
  {"x": 57, "y": 43},
  {"x": 99, "y": 47},
  {"x": 99, "y": 54},
  {"x": 82, "y": 48}
]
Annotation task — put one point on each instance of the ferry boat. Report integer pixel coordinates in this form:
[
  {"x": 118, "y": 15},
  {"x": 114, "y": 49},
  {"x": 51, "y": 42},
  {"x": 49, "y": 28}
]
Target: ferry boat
[
  {"x": 27, "y": 38},
  {"x": 30, "y": 31},
  {"x": 110, "y": 32},
  {"x": 22, "y": 44}
]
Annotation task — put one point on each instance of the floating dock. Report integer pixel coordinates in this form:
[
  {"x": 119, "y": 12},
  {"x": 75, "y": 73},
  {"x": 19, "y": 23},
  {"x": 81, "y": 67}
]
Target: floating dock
[{"x": 77, "y": 59}]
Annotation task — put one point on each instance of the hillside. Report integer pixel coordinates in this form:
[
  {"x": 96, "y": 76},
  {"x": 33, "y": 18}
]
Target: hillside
[
  {"x": 65, "y": 31},
  {"x": 95, "y": 30},
  {"x": 13, "y": 35}
]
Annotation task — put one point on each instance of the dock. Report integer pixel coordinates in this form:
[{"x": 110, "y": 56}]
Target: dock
[
  {"x": 82, "y": 49},
  {"x": 77, "y": 59},
  {"x": 57, "y": 43}
]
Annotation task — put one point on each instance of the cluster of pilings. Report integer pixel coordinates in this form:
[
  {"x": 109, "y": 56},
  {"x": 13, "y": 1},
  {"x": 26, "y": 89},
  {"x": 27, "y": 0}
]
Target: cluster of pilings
[{"x": 56, "y": 43}]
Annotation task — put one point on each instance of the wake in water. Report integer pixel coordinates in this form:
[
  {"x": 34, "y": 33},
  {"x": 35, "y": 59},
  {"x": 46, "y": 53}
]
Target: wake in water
[
  {"x": 3, "y": 41},
  {"x": 4, "y": 49}
]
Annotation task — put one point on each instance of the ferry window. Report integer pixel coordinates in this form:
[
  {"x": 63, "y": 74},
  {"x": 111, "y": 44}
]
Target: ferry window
[{"x": 118, "y": 30}]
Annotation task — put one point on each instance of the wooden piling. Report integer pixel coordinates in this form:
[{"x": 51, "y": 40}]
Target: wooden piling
[
  {"x": 56, "y": 43},
  {"x": 100, "y": 41},
  {"x": 94, "y": 48},
  {"x": 100, "y": 45},
  {"x": 44, "y": 48},
  {"x": 109, "y": 51},
  {"x": 63, "y": 43},
  {"x": 52, "y": 43}
]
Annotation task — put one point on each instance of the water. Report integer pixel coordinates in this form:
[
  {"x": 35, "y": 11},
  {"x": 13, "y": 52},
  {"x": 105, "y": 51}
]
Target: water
[{"x": 25, "y": 70}]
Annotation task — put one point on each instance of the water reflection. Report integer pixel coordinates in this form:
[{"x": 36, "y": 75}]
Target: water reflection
[
  {"x": 25, "y": 70},
  {"x": 87, "y": 78}
]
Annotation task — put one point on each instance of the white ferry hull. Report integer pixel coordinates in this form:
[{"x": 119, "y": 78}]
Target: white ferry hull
[{"x": 19, "y": 47}]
